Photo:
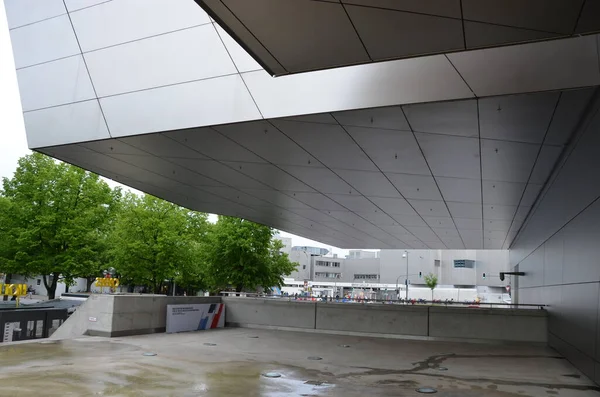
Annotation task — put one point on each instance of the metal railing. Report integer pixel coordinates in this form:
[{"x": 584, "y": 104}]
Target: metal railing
[
  {"x": 26, "y": 324},
  {"x": 404, "y": 302}
]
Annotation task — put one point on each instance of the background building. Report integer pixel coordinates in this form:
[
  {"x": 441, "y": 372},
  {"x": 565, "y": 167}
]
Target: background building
[
  {"x": 287, "y": 243},
  {"x": 362, "y": 254},
  {"x": 386, "y": 272}
]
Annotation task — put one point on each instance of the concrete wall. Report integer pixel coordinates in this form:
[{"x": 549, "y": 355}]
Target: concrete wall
[
  {"x": 384, "y": 319},
  {"x": 488, "y": 324},
  {"x": 423, "y": 321},
  {"x": 279, "y": 313},
  {"x": 558, "y": 248},
  {"x": 120, "y": 315}
]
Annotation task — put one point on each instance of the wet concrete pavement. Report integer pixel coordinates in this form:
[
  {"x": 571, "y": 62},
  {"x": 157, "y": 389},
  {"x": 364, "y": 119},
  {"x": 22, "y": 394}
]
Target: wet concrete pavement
[{"x": 188, "y": 365}]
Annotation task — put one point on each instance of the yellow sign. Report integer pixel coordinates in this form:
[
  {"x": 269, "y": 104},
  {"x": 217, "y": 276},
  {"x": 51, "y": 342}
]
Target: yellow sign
[
  {"x": 13, "y": 289},
  {"x": 107, "y": 282}
]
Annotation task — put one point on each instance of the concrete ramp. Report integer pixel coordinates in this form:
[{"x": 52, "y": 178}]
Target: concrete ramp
[
  {"x": 123, "y": 314},
  {"x": 76, "y": 325}
]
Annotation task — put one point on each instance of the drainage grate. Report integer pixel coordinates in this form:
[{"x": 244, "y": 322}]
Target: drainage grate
[
  {"x": 316, "y": 358},
  {"x": 346, "y": 346},
  {"x": 149, "y": 354},
  {"x": 314, "y": 382},
  {"x": 253, "y": 337},
  {"x": 442, "y": 369},
  {"x": 427, "y": 390},
  {"x": 209, "y": 344}
]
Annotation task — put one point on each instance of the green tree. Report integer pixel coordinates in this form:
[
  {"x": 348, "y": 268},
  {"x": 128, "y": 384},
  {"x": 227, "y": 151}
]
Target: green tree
[
  {"x": 56, "y": 211},
  {"x": 154, "y": 241},
  {"x": 7, "y": 237},
  {"x": 243, "y": 254},
  {"x": 431, "y": 281}
]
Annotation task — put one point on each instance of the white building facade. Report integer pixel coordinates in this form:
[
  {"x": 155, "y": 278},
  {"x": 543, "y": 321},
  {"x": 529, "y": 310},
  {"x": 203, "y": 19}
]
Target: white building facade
[{"x": 386, "y": 273}]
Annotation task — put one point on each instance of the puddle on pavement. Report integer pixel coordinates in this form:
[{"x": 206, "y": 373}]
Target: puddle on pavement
[
  {"x": 73, "y": 368},
  {"x": 15, "y": 354}
]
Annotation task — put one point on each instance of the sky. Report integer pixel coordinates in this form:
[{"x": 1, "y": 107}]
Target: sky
[{"x": 13, "y": 142}]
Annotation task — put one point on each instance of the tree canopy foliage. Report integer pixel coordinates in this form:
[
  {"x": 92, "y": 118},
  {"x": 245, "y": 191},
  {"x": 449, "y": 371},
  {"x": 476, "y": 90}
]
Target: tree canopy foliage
[
  {"x": 56, "y": 220},
  {"x": 431, "y": 281},
  {"x": 61, "y": 222},
  {"x": 154, "y": 240},
  {"x": 244, "y": 255}
]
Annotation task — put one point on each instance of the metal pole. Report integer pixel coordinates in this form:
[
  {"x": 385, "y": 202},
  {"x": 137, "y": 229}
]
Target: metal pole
[
  {"x": 406, "y": 252},
  {"x": 334, "y": 287}
]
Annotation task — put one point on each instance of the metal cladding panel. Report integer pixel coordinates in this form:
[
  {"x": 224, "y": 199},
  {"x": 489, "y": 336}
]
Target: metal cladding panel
[
  {"x": 81, "y": 121},
  {"x": 243, "y": 61},
  {"x": 117, "y": 22},
  {"x": 25, "y": 12},
  {"x": 181, "y": 57},
  {"x": 545, "y": 66},
  {"x": 423, "y": 79},
  {"x": 65, "y": 81},
  {"x": 292, "y": 36},
  {"x": 290, "y": 21},
  {"x": 74, "y": 5},
  {"x": 212, "y": 101},
  {"x": 470, "y": 192},
  {"x": 43, "y": 41},
  {"x": 406, "y": 153}
]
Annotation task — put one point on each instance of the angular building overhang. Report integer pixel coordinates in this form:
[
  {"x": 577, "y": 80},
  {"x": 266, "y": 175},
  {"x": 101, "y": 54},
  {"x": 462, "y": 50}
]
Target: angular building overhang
[
  {"x": 293, "y": 36},
  {"x": 440, "y": 151},
  {"x": 459, "y": 174}
]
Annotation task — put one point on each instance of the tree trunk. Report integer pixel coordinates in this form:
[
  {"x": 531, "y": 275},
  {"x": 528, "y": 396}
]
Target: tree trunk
[
  {"x": 51, "y": 288},
  {"x": 89, "y": 281},
  {"x": 239, "y": 288},
  {"x": 7, "y": 278}
]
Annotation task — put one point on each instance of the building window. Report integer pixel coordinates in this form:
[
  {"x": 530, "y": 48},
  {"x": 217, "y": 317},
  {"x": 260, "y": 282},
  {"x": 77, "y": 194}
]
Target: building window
[
  {"x": 39, "y": 282},
  {"x": 464, "y": 263},
  {"x": 327, "y": 275},
  {"x": 366, "y": 277},
  {"x": 328, "y": 264},
  {"x": 303, "y": 267}
]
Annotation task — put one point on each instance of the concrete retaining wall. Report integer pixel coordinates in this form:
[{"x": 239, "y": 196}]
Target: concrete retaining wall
[
  {"x": 276, "y": 313},
  {"x": 146, "y": 314},
  {"x": 120, "y": 315},
  {"x": 380, "y": 319},
  {"x": 514, "y": 325},
  {"x": 490, "y": 324}
]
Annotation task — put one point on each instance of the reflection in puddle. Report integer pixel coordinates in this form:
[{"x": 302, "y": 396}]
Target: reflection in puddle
[
  {"x": 110, "y": 369},
  {"x": 295, "y": 387},
  {"x": 247, "y": 379}
]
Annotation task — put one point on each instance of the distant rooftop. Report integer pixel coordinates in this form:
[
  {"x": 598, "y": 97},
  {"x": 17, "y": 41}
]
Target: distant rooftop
[{"x": 311, "y": 250}]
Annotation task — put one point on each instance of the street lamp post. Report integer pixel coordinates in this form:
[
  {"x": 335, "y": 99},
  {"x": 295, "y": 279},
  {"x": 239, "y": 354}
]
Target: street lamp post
[
  {"x": 405, "y": 255},
  {"x": 397, "y": 290}
]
